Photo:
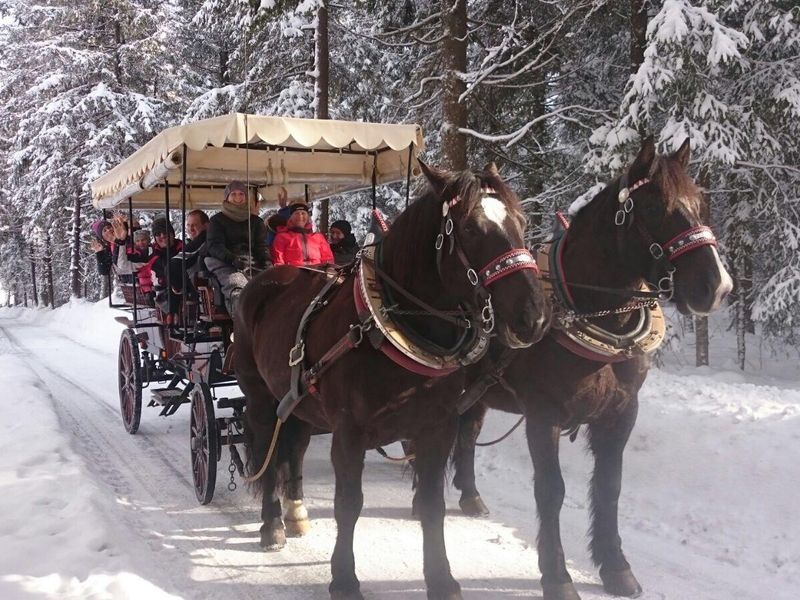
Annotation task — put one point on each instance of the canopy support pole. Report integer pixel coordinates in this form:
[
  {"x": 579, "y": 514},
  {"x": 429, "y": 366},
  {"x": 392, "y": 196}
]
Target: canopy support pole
[
  {"x": 183, "y": 234},
  {"x": 374, "y": 180},
  {"x": 134, "y": 274},
  {"x": 166, "y": 255},
  {"x": 408, "y": 174}
]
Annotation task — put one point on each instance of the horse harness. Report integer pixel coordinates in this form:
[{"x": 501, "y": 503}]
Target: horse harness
[{"x": 380, "y": 320}]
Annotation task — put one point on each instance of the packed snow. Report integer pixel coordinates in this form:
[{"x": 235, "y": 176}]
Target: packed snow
[{"x": 708, "y": 509}]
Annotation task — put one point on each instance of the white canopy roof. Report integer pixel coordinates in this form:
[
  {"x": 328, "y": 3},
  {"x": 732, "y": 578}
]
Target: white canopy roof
[{"x": 329, "y": 157}]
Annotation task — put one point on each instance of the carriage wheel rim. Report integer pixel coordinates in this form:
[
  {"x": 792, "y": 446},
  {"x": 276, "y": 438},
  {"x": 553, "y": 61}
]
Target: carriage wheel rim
[
  {"x": 127, "y": 383},
  {"x": 199, "y": 444}
]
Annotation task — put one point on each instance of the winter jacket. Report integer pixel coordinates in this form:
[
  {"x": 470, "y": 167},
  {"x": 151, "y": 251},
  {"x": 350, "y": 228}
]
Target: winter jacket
[
  {"x": 344, "y": 252},
  {"x": 158, "y": 260},
  {"x": 299, "y": 247},
  {"x": 228, "y": 240},
  {"x": 104, "y": 261}
]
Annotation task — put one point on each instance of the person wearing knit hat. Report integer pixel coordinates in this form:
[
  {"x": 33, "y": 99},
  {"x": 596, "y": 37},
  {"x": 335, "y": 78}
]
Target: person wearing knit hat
[
  {"x": 102, "y": 244},
  {"x": 235, "y": 242},
  {"x": 297, "y": 243},
  {"x": 343, "y": 242}
]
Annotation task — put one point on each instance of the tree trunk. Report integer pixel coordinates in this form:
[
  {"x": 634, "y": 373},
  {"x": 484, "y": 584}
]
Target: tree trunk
[
  {"x": 75, "y": 250},
  {"x": 701, "y": 343},
  {"x": 454, "y": 64},
  {"x": 321, "y": 88},
  {"x": 48, "y": 265},
  {"x": 638, "y": 33},
  {"x": 33, "y": 275}
]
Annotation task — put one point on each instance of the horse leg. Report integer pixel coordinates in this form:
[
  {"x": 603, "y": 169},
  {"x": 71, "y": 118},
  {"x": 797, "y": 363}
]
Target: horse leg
[
  {"x": 295, "y": 437},
  {"x": 432, "y": 450},
  {"x": 469, "y": 428},
  {"x": 607, "y": 439},
  {"x": 260, "y": 421},
  {"x": 347, "y": 455},
  {"x": 548, "y": 489}
]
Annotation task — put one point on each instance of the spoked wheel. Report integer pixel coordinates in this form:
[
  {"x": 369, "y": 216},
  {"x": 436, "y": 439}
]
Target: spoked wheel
[
  {"x": 204, "y": 443},
  {"x": 130, "y": 381}
]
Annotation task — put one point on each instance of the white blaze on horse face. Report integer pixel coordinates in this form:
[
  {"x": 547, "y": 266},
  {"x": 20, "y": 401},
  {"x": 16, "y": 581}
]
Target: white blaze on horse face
[
  {"x": 725, "y": 282},
  {"x": 494, "y": 210}
]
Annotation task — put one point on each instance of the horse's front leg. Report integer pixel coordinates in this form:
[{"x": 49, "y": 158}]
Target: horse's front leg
[
  {"x": 548, "y": 488},
  {"x": 469, "y": 428},
  {"x": 607, "y": 439},
  {"x": 347, "y": 455},
  {"x": 295, "y": 437},
  {"x": 432, "y": 450}
]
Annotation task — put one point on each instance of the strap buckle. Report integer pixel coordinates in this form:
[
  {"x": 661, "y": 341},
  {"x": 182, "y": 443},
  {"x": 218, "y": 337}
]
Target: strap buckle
[{"x": 297, "y": 354}]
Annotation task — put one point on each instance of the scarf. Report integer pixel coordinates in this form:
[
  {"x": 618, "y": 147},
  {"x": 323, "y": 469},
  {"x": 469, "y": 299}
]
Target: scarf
[{"x": 236, "y": 213}]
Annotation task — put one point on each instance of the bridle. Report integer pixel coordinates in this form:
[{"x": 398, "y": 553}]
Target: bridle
[
  {"x": 662, "y": 254},
  {"x": 496, "y": 269}
]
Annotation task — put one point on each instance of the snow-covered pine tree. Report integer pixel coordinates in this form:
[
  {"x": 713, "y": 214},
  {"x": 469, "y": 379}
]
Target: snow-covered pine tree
[{"x": 87, "y": 85}]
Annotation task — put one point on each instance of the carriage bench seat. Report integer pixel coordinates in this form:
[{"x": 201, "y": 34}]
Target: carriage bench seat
[
  {"x": 212, "y": 304},
  {"x": 142, "y": 299}
]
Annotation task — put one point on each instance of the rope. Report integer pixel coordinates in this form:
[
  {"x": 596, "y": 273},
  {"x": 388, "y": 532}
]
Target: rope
[
  {"x": 501, "y": 438},
  {"x": 268, "y": 457},
  {"x": 406, "y": 458}
]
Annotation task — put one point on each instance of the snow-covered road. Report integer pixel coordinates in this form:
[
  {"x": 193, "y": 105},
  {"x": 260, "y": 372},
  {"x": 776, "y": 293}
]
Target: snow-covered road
[{"x": 709, "y": 507}]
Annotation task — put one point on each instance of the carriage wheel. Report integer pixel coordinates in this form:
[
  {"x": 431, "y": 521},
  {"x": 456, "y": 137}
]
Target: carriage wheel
[
  {"x": 204, "y": 444},
  {"x": 130, "y": 381}
]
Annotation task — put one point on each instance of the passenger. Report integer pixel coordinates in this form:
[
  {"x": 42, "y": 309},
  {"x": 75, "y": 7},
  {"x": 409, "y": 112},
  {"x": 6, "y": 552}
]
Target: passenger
[
  {"x": 343, "y": 243},
  {"x": 101, "y": 245},
  {"x": 297, "y": 243},
  {"x": 164, "y": 243},
  {"x": 279, "y": 218},
  {"x": 235, "y": 236},
  {"x": 196, "y": 228},
  {"x": 140, "y": 257}
]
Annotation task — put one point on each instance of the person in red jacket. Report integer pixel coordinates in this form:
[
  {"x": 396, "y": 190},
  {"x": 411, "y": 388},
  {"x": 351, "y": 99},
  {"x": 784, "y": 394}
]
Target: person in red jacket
[{"x": 297, "y": 244}]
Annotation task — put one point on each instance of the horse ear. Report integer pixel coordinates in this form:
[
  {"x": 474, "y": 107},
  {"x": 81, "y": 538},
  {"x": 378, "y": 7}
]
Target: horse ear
[
  {"x": 438, "y": 178},
  {"x": 644, "y": 160},
  {"x": 491, "y": 169},
  {"x": 683, "y": 153}
]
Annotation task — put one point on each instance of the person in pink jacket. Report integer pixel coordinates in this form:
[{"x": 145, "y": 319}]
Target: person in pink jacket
[{"x": 297, "y": 244}]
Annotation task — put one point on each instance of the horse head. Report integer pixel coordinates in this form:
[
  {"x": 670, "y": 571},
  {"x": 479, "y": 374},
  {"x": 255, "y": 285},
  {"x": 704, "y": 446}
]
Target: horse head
[
  {"x": 661, "y": 217},
  {"x": 481, "y": 256}
]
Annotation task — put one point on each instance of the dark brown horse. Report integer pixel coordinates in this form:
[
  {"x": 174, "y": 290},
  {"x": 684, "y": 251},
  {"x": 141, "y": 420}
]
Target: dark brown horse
[
  {"x": 557, "y": 390},
  {"x": 365, "y": 399}
]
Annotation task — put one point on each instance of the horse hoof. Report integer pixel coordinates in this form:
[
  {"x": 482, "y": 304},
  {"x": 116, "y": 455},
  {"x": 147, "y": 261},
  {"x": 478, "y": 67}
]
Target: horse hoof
[
  {"x": 621, "y": 583},
  {"x": 450, "y": 596},
  {"x": 297, "y": 528},
  {"x": 295, "y": 517},
  {"x": 272, "y": 538},
  {"x": 474, "y": 507},
  {"x": 560, "y": 591},
  {"x": 340, "y": 595}
]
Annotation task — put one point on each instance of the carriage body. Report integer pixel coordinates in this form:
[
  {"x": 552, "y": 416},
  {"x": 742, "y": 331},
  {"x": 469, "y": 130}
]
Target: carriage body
[{"x": 187, "y": 361}]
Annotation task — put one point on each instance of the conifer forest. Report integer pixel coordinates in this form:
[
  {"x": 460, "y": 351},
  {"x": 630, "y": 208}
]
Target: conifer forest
[{"x": 558, "y": 93}]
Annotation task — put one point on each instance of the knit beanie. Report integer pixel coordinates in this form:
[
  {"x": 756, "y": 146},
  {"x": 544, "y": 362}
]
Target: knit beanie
[
  {"x": 160, "y": 226},
  {"x": 342, "y": 226},
  {"x": 235, "y": 186},
  {"x": 97, "y": 228}
]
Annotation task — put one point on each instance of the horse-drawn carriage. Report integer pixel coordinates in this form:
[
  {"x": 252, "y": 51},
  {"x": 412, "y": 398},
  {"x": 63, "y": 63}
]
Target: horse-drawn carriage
[{"x": 186, "y": 360}]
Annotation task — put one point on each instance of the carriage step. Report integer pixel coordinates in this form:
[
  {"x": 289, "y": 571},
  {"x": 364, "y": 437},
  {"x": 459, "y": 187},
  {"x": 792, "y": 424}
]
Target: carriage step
[
  {"x": 232, "y": 402},
  {"x": 165, "y": 395}
]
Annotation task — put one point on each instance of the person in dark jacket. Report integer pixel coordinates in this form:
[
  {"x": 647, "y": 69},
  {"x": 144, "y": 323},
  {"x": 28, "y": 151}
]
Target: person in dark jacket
[
  {"x": 297, "y": 244},
  {"x": 343, "y": 243},
  {"x": 101, "y": 245},
  {"x": 196, "y": 228},
  {"x": 236, "y": 243}
]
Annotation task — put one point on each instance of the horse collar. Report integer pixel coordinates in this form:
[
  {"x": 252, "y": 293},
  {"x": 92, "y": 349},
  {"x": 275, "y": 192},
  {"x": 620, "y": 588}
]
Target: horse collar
[
  {"x": 586, "y": 339},
  {"x": 396, "y": 342}
]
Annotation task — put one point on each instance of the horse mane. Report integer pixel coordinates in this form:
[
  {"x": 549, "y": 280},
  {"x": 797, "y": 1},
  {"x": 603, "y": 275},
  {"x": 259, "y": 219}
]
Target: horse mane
[{"x": 677, "y": 187}]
